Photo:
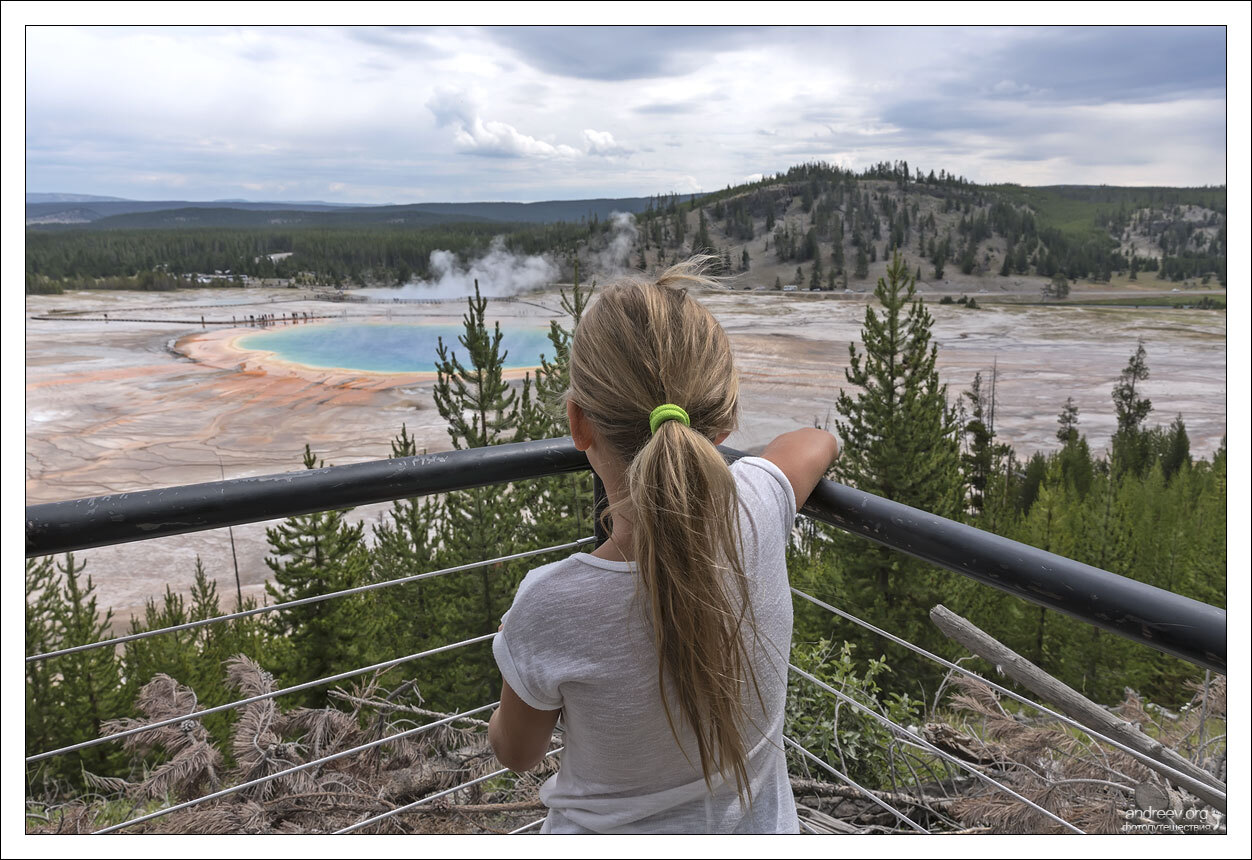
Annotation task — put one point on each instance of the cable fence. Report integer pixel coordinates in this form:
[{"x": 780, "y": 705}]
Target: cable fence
[
  {"x": 305, "y": 601},
  {"x": 308, "y": 685},
  {"x": 447, "y": 791},
  {"x": 252, "y": 783},
  {"x": 1205, "y": 791}
]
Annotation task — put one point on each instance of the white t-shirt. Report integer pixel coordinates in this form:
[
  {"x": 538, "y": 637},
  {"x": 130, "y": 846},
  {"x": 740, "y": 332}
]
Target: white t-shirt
[{"x": 577, "y": 638}]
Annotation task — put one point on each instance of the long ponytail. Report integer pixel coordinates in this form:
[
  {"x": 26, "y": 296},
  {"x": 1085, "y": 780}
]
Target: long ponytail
[{"x": 642, "y": 344}]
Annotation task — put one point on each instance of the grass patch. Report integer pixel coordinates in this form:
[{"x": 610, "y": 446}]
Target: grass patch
[
  {"x": 1074, "y": 218},
  {"x": 89, "y": 814},
  {"x": 1214, "y": 303},
  {"x": 1072, "y": 208}
]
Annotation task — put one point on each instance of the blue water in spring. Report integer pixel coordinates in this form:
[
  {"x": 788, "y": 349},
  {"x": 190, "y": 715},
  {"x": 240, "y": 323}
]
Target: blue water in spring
[{"x": 389, "y": 347}]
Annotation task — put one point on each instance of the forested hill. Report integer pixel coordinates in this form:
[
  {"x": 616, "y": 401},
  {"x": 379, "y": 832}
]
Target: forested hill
[
  {"x": 820, "y": 227},
  {"x": 815, "y": 226}
]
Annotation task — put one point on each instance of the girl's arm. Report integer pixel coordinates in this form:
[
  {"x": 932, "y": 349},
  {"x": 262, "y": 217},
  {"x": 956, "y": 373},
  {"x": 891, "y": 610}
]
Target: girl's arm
[
  {"x": 519, "y": 734},
  {"x": 803, "y": 456}
]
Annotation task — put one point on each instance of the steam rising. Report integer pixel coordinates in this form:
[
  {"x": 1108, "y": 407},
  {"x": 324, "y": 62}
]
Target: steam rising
[
  {"x": 499, "y": 273},
  {"x": 622, "y": 236}
]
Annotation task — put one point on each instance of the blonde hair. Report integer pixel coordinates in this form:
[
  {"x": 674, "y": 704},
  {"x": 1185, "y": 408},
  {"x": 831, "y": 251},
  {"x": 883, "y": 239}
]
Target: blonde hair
[{"x": 641, "y": 344}]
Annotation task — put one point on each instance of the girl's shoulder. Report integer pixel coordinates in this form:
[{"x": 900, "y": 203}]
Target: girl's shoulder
[
  {"x": 576, "y": 579},
  {"x": 764, "y": 490}
]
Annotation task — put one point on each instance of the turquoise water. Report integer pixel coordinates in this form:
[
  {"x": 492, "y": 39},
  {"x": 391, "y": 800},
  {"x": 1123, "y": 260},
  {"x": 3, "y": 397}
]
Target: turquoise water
[{"x": 388, "y": 347}]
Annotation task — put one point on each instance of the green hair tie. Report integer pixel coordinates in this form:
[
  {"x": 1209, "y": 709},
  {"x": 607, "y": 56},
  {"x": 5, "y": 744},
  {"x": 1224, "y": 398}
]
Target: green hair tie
[{"x": 667, "y": 412}]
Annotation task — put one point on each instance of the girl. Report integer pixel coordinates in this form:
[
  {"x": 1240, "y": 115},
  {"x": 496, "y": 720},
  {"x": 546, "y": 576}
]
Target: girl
[{"x": 665, "y": 650}]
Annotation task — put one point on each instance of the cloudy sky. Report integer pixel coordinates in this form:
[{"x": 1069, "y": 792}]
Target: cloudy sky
[{"x": 375, "y": 115}]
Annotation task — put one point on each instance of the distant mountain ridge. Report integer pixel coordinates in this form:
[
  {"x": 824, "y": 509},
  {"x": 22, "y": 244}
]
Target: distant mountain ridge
[
  {"x": 57, "y": 197},
  {"x": 103, "y": 213}
]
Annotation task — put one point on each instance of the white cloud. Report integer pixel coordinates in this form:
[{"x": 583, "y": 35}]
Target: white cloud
[
  {"x": 501, "y": 139},
  {"x": 686, "y": 185},
  {"x": 475, "y": 135},
  {"x": 602, "y": 143}
]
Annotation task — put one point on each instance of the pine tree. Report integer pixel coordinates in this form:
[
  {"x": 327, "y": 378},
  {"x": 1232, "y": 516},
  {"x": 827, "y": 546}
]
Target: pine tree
[
  {"x": 1067, "y": 422},
  {"x": 483, "y": 522},
  {"x": 900, "y": 439},
  {"x": 1077, "y": 468},
  {"x": 405, "y": 543},
  {"x": 43, "y": 634},
  {"x": 862, "y": 262},
  {"x": 479, "y": 406},
  {"x": 1176, "y": 453},
  {"x": 193, "y": 657},
  {"x": 979, "y": 460},
  {"x": 560, "y": 506},
  {"x": 310, "y": 555},
  {"x": 1130, "y": 442},
  {"x": 702, "y": 244},
  {"x": 86, "y": 686}
]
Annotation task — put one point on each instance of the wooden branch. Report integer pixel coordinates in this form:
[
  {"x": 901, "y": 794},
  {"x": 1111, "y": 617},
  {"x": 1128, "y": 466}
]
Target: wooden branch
[
  {"x": 817, "y": 818},
  {"x": 817, "y": 788},
  {"x": 503, "y": 808},
  {"x": 1077, "y": 706},
  {"x": 338, "y": 795},
  {"x": 391, "y": 707}
]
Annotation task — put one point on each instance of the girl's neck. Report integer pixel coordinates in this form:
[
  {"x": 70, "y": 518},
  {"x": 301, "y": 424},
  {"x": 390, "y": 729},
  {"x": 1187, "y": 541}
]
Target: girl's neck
[{"x": 620, "y": 545}]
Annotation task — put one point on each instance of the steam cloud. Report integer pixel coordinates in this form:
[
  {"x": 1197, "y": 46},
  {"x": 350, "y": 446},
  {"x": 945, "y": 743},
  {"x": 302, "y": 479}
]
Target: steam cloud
[
  {"x": 499, "y": 273},
  {"x": 622, "y": 236}
]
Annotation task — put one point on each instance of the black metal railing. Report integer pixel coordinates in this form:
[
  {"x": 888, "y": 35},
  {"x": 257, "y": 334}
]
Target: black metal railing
[{"x": 1154, "y": 617}]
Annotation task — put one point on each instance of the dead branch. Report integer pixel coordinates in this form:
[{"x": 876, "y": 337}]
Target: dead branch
[{"x": 1072, "y": 703}]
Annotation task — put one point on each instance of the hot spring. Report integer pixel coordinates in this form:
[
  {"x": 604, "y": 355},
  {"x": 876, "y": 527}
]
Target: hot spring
[{"x": 389, "y": 347}]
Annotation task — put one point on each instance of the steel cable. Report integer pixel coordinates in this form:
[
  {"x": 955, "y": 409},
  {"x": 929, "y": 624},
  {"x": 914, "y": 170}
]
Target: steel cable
[
  {"x": 931, "y": 748},
  {"x": 865, "y": 791},
  {"x": 1185, "y": 780},
  {"x": 195, "y": 715},
  {"x": 388, "y": 814},
  {"x": 119, "y": 640},
  {"x": 323, "y": 760},
  {"x": 526, "y": 827}
]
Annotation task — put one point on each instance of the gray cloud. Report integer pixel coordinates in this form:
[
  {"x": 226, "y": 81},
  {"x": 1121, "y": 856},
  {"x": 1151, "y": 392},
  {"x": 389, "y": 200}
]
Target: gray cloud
[
  {"x": 930, "y": 115},
  {"x": 685, "y": 107},
  {"x": 400, "y": 114},
  {"x": 620, "y": 53},
  {"x": 1101, "y": 64}
]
